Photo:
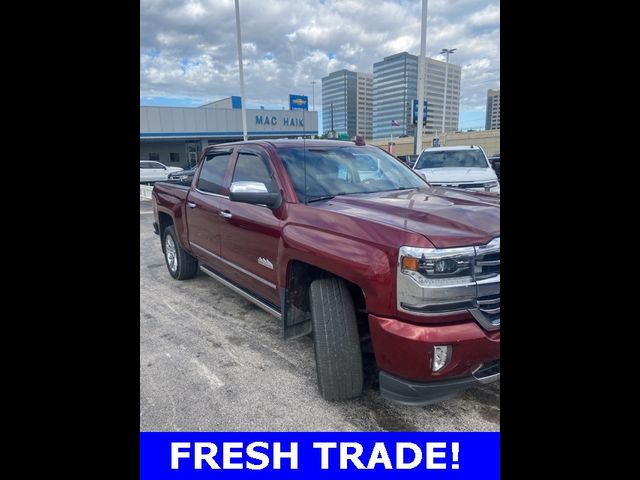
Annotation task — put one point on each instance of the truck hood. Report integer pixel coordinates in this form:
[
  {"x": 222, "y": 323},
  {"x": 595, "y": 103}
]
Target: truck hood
[
  {"x": 446, "y": 217},
  {"x": 458, "y": 174}
]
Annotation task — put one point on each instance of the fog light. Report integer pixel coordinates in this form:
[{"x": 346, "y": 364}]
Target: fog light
[{"x": 441, "y": 356}]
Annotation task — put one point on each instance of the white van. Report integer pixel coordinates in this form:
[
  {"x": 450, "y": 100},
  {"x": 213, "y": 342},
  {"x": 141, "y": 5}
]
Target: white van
[{"x": 460, "y": 167}]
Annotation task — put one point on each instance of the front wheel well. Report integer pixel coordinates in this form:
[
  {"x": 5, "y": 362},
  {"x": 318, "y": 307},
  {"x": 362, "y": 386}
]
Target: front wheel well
[{"x": 302, "y": 274}]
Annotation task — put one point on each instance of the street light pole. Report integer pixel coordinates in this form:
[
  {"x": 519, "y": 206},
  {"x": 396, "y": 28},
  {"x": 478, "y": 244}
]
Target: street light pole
[
  {"x": 313, "y": 86},
  {"x": 243, "y": 99},
  {"x": 421, "y": 67},
  {"x": 446, "y": 72}
]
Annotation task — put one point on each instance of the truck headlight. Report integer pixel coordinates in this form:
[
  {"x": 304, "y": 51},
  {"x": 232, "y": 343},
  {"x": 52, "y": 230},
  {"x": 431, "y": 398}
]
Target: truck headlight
[
  {"x": 440, "y": 281},
  {"x": 490, "y": 186},
  {"x": 441, "y": 265}
]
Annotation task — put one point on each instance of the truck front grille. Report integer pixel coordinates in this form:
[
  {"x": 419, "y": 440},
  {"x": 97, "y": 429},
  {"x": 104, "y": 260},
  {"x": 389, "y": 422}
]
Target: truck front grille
[
  {"x": 490, "y": 306},
  {"x": 487, "y": 276},
  {"x": 487, "y": 264}
]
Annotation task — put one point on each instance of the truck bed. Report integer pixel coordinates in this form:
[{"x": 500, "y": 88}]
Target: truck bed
[
  {"x": 170, "y": 199},
  {"x": 170, "y": 191}
]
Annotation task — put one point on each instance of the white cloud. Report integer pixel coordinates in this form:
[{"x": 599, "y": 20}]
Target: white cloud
[{"x": 188, "y": 47}]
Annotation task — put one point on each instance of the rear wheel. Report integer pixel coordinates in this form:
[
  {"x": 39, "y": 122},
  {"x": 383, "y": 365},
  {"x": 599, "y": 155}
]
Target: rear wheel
[
  {"x": 180, "y": 264},
  {"x": 336, "y": 339}
]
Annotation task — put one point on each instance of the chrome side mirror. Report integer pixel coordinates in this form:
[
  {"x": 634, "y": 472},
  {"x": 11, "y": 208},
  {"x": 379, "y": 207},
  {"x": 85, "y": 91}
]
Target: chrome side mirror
[
  {"x": 255, "y": 193},
  {"x": 247, "y": 187}
]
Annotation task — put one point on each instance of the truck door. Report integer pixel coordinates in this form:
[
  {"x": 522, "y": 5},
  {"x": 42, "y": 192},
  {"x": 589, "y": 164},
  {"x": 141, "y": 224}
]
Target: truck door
[
  {"x": 204, "y": 204},
  {"x": 250, "y": 233}
]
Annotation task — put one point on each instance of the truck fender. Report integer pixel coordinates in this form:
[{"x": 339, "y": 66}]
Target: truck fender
[{"x": 354, "y": 259}]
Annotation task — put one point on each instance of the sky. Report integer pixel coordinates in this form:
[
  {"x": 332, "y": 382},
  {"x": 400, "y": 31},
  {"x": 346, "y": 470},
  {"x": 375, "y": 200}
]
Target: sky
[{"x": 188, "y": 51}]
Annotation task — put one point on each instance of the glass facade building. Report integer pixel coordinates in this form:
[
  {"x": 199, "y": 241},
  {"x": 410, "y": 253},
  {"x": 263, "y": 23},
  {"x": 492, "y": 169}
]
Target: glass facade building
[
  {"x": 339, "y": 96},
  {"x": 395, "y": 86}
]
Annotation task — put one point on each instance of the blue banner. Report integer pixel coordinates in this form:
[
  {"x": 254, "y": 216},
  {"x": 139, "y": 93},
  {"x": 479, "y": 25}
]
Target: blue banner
[
  {"x": 414, "y": 115},
  {"x": 298, "y": 102},
  {"x": 270, "y": 455}
]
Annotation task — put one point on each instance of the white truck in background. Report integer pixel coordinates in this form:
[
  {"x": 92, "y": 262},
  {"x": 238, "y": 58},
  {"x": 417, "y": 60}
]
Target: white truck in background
[{"x": 458, "y": 167}]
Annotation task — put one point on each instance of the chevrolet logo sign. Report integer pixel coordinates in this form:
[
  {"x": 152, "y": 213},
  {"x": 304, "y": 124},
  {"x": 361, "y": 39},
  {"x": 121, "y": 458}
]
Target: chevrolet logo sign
[{"x": 298, "y": 101}]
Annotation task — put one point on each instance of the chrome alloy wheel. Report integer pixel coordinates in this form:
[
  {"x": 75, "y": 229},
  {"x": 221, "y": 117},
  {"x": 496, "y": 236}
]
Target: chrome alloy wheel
[{"x": 171, "y": 254}]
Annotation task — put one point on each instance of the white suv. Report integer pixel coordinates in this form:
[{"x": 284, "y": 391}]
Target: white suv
[
  {"x": 152, "y": 171},
  {"x": 460, "y": 167}
]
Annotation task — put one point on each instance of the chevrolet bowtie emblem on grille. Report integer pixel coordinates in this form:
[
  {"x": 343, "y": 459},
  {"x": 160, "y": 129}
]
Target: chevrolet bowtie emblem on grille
[{"x": 265, "y": 263}]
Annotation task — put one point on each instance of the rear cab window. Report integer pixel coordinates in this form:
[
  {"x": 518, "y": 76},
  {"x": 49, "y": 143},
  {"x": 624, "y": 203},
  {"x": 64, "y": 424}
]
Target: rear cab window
[{"x": 212, "y": 173}]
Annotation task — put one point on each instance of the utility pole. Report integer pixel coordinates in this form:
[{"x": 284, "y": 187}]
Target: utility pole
[
  {"x": 313, "y": 86},
  {"x": 446, "y": 72},
  {"x": 421, "y": 68},
  {"x": 243, "y": 99}
]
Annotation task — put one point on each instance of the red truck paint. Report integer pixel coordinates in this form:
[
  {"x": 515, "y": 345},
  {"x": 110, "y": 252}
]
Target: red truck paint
[
  {"x": 355, "y": 238},
  {"x": 391, "y": 336}
]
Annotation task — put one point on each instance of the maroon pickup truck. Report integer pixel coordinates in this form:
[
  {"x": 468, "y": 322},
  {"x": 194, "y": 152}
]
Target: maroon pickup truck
[{"x": 342, "y": 241}]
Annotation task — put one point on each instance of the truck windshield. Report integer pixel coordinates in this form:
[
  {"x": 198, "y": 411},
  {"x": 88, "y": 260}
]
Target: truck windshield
[
  {"x": 451, "y": 158},
  {"x": 346, "y": 170}
]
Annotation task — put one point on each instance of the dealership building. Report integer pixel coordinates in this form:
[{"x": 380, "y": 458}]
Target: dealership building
[{"x": 176, "y": 136}]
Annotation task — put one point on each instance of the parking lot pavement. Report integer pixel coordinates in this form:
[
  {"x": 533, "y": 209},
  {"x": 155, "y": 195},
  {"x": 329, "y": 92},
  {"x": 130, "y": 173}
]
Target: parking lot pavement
[{"x": 212, "y": 361}]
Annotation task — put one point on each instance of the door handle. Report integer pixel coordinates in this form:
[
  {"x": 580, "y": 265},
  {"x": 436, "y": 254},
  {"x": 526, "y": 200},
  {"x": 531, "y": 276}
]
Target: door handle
[
  {"x": 226, "y": 214},
  {"x": 191, "y": 205}
]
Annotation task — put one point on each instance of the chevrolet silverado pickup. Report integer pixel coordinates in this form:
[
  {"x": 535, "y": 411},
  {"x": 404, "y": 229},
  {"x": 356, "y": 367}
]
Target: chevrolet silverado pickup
[{"x": 342, "y": 241}]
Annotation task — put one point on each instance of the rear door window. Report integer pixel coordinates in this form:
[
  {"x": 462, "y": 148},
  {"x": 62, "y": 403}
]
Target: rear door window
[{"x": 212, "y": 173}]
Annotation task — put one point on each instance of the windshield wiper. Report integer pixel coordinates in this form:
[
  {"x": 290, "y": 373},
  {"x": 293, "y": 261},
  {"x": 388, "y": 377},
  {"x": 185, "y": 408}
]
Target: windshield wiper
[{"x": 324, "y": 197}]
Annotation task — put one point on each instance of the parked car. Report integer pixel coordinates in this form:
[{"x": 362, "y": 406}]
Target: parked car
[
  {"x": 460, "y": 167},
  {"x": 184, "y": 176},
  {"x": 152, "y": 171},
  {"x": 494, "y": 160},
  {"x": 338, "y": 239},
  {"x": 410, "y": 160}
]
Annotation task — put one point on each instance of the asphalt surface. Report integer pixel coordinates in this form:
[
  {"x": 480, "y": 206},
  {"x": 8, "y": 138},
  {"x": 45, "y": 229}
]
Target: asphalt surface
[{"x": 212, "y": 361}]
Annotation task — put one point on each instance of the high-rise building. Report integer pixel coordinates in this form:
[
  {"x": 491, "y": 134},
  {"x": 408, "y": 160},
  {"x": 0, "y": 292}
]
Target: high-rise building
[
  {"x": 492, "y": 121},
  {"x": 395, "y": 86},
  {"x": 347, "y": 103},
  {"x": 364, "y": 117}
]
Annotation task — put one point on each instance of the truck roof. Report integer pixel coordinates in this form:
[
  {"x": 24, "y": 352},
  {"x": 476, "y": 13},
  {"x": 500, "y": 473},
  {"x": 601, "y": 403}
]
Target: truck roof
[{"x": 288, "y": 142}]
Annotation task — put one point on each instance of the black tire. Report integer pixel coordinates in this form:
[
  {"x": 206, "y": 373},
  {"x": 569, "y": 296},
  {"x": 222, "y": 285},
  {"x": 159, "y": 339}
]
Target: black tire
[
  {"x": 336, "y": 340},
  {"x": 185, "y": 265}
]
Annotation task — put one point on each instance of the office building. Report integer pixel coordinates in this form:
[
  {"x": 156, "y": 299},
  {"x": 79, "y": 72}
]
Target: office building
[
  {"x": 347, "y": 103},
  {"x": 395, "y": 86},
  {"x": 364, "y": 106},
  {"x": 492, "y": 121}
]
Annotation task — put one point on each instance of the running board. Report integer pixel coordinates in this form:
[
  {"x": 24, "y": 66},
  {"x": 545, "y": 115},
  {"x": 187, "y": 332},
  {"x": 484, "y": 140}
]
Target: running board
[{"x": 259, "y": 303}]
